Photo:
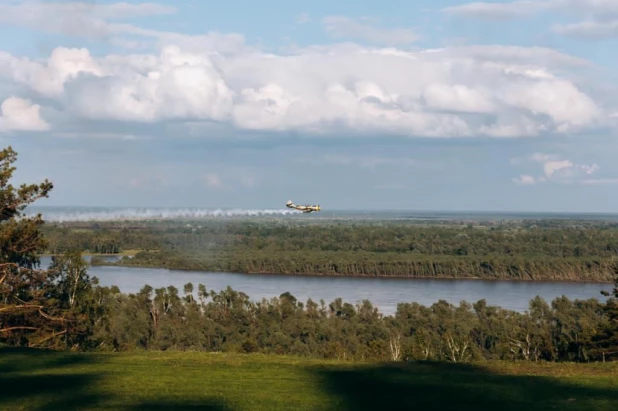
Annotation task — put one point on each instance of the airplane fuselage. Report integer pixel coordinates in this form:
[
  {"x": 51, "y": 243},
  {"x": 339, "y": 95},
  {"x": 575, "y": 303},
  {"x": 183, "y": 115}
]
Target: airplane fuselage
[{"x": 303, "y": 208}]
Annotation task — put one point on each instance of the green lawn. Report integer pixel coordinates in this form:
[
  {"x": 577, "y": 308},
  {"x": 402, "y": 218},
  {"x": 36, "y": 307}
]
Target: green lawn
[{"x": 40, "y": 380}]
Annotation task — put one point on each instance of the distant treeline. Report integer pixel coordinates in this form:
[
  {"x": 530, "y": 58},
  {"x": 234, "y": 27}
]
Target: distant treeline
[{"x": 528, "y": 250}]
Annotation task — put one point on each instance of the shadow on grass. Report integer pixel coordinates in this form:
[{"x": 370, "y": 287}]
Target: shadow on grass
[
  {"x": 444, "y": 386},
  {"x": 45, "y": 380},
  {"x": 177, "y": 406}
]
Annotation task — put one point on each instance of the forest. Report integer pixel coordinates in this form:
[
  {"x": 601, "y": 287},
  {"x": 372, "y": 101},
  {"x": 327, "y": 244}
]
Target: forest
[
  {"x": 512, "y": 250},
  {"x": 197, "y": 319},
  {"x": 62, "y": 307}
]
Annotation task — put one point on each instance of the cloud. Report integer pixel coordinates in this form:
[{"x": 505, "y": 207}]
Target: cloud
[
  {"x": 100, "y": 21},
  {"x": 524, "y": 8},
  {"x": 346, "y": 27},
  {"x": 495, "y": 11},
  {"x": 557, "y": 169},
  {"x": 216, "y": 82},
  {"x": 496, "y": 91},
  {"x": 588, "y": 29},
  {"x": 17, "y": 114},
  {"x": 600, "y": 16},
  {"x": 87, "y": 19}
]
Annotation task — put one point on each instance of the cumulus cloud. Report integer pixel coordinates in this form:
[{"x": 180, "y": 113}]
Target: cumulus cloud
[
  {"x": 556, "y": 169},
  {"x": 21, "y": 115},
  {"x": 365, "y": 29},
  {"x": 341, "y": 89},
  {"x": 451, "y": 92},
  {"x": 600, "y": 17}
]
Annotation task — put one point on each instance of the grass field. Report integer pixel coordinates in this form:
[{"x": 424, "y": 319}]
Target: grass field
[{"x": 41, "y": 380}]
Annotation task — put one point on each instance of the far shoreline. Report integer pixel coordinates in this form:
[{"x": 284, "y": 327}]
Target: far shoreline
[
  {"x": 130, "y": 253},
  {"x": 359, "y": 276}
]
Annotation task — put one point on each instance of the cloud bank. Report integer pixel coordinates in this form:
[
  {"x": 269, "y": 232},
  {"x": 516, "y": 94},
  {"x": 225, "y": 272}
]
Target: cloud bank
[{"x": 340, "y": 89}]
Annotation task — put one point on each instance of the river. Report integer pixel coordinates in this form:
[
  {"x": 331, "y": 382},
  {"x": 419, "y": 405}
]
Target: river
[{"x": 384, "y": 293}]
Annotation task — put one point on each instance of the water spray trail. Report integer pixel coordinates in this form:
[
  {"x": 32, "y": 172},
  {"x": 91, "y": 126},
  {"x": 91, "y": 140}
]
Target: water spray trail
[{"x": 153, "y": 214}]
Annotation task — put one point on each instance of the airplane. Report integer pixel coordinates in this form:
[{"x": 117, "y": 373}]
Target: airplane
[{"x": 304, "y": 208}]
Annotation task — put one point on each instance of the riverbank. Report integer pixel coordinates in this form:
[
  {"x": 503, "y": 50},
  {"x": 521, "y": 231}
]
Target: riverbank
[{"x": 378, "y": 265}]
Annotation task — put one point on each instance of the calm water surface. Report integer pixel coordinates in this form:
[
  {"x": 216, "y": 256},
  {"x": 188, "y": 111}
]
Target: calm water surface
[{"x": 383, "y": 293}]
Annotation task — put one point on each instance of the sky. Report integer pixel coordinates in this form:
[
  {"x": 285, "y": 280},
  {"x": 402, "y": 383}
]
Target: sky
[{"x": 428, "y": 105}]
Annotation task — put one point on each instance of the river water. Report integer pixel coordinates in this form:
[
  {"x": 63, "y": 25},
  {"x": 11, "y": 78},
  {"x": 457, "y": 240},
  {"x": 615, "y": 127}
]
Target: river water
[{"x": 384, "y": 293}]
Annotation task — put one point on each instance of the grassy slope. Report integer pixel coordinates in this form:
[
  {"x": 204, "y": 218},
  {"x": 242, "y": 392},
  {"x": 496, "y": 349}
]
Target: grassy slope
[{"x": 173, "y": 380}]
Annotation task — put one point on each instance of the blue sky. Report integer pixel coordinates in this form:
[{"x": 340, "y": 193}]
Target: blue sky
[{"x": 434, "y": 105}]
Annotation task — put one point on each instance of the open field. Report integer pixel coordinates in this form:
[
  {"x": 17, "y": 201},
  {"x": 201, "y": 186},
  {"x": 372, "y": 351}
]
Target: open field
[{"x": 43, "y": 380}]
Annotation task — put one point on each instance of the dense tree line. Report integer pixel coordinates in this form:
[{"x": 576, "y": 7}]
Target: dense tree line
[
  {"x": 505, "y": 240},
  {"x": 368, "y": 264},
  {"x": 537, "y": 250}
]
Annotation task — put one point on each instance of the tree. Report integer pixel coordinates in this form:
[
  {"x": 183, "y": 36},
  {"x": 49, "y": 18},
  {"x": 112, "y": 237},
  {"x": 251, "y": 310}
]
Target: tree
[
  {"x": 27, "y": 317},
  {"x": 606, "y": 342}
]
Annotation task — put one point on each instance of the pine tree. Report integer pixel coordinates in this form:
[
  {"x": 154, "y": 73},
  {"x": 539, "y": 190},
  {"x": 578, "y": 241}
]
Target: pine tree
[{"x": 27, "y": 315}]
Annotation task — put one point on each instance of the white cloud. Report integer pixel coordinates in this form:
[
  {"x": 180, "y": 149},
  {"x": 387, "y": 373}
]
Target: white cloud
[
  {"x": 524, "y": 8},
  {"x": 471, "y": 91},
  {"x": 588, "y": 29},
  {"x": 87, "y": 19},
  {"x": 556, "y": 169},
  {"x": 447, "y": 92},
  {"x": 100, "y": 21},
  {"x": 21, "y": 114},
  {"x": 363, "y": 29},
  {"x": 600, "y": 17},
  {"x": 505, "y": 10},
  {"x": 63, "y": 65},
  {"x": 173, "y": 85}
]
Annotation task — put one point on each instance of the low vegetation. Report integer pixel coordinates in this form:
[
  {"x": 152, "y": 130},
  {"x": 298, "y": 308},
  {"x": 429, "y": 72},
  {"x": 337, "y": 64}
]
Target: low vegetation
[{"x": 35, "y": 380}]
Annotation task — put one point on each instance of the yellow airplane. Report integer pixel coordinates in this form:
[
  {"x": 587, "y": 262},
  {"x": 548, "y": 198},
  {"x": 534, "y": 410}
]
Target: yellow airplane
[{"x": 303, "y": 208}]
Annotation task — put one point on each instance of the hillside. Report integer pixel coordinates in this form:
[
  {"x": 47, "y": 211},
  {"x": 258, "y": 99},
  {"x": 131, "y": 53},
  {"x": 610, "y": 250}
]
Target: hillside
[{"x": 38, "y": 380}]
